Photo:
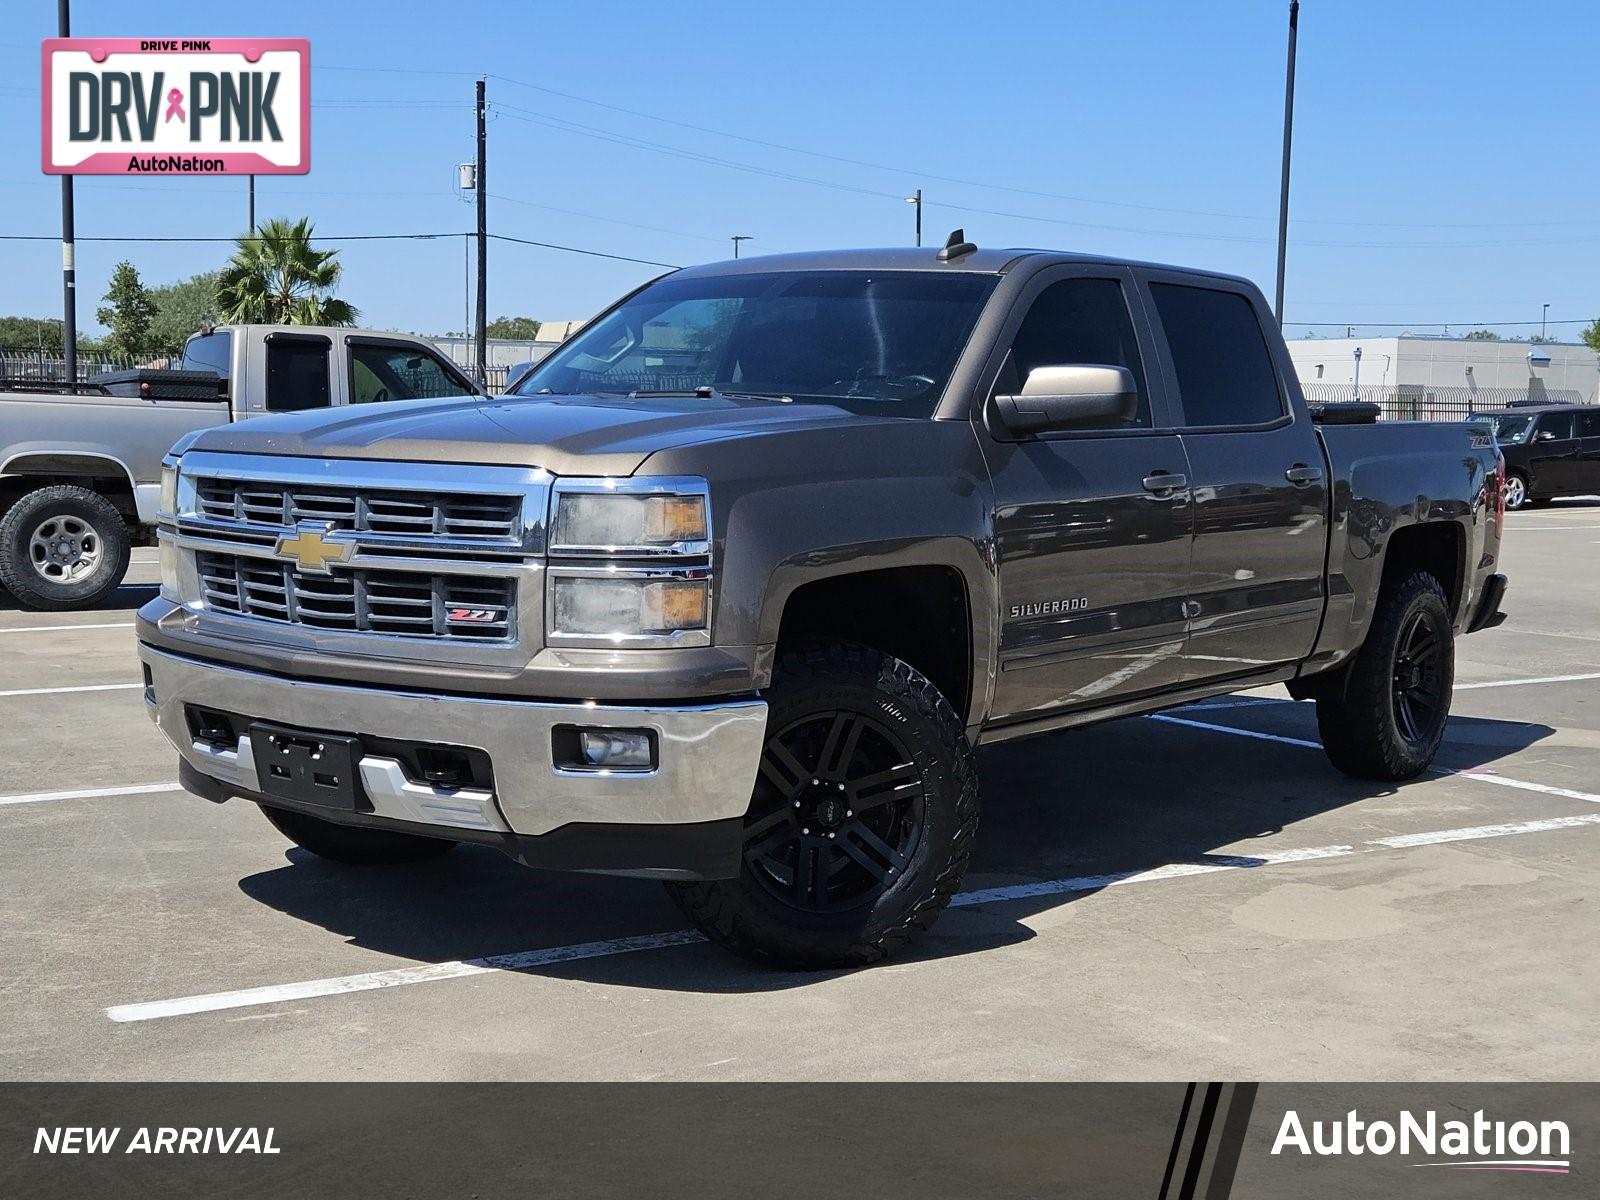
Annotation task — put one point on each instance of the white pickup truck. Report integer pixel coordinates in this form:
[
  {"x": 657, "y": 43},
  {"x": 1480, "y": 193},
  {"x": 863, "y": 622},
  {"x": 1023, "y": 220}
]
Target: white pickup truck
[{"x": 80, "y": 473}]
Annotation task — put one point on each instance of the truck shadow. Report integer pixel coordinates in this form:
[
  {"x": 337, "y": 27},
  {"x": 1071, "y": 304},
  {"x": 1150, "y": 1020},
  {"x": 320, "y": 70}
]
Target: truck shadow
[
  {"x": 129, "y": 597},
  {"x": 1113, "y": 800}
]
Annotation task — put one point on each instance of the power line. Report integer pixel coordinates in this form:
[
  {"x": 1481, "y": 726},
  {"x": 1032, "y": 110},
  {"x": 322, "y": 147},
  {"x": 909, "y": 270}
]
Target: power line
[
  {"x": 1461, "y": 324},
  {"x": 502, "y": 237},
  {"x": 359, "y": 237}
]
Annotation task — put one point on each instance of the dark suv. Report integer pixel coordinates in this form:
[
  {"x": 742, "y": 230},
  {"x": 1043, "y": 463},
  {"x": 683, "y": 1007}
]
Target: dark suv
[{"x": 1550, "y": 451}]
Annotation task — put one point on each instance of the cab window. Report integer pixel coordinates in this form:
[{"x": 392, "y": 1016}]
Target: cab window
[
  {"x": 1078, "y": 322},
  {"x": 297, "y": 373},
  {"x": 379, "y": 373}
]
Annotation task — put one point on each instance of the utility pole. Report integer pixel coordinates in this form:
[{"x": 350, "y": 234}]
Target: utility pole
[
  {"x": 69, "y": 272},
  {"x": 252, "y": 205},
  {"x": 483, "y": 247},
  {"x": 1288, "y": 136},
  {"x": 917, "y": 200},
  {"x": 1544, "y": 318},
  {"x": 740, "y": 237}
]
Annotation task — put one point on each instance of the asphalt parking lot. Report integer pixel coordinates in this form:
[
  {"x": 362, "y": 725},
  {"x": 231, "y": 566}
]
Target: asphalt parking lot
[{"x": 1197, "y": 894}]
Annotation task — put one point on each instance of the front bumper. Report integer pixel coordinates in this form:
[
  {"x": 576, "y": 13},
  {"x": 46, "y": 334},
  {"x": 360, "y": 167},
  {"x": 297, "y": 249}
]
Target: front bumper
[{"x": 708, "y": 756}]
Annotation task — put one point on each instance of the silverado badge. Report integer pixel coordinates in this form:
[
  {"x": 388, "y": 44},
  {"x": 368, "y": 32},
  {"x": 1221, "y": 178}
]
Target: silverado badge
[{"x": 310, "y": 550}]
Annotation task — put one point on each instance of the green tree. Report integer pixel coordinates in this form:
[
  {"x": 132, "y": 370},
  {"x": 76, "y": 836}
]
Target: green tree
[
  {"x": 181, "y": 308},
  {"x": 1483, "y": 335},
  {"x": 522, "y": 329},
  {"x": 1591, "y": 335},
  {"x": 128, "y": 314},
  {"x": 276, "y": 277}
]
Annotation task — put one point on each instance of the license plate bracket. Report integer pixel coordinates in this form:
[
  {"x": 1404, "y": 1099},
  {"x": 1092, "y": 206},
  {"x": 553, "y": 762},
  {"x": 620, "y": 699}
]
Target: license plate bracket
[{"x": 312, "y": 768}]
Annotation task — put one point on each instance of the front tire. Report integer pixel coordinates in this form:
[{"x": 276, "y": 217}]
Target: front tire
[
  {"x": 63, "y": 548},
  {"x": 351, "y": 845},
  {"x": 1388, "y": 718},
  {"x": 862, "y": 822},
  {"x": 1517, "y": 491}
]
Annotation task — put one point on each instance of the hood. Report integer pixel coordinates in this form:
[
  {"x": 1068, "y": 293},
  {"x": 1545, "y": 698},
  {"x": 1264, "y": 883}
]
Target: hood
[{"x": 567, "y": 435}]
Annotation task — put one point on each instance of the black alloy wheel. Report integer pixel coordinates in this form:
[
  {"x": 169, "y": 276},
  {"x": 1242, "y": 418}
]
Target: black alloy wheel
[
  {"x": 837, "y": 814},
  {"x": 1418, "y": 690}
]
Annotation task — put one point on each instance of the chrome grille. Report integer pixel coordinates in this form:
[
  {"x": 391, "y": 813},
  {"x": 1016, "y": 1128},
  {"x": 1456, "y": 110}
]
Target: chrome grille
[
  {"x": 422, "y": 514},
  {"x": 408, "y": 603}
]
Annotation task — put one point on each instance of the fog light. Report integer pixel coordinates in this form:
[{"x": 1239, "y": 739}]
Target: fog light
[{"x": 622, "y": 749}]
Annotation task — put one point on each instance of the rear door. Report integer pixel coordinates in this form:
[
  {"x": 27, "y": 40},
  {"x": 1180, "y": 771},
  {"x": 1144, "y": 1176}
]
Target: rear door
[
  {"x": 1257, "y": 473},
  {"x": 1092, "y": 526},
  {"x": 1588, "y": 454}
]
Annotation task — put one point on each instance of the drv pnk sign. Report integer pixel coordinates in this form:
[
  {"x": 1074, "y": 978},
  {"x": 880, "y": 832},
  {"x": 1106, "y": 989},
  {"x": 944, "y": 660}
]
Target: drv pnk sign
[{"x": 150, "y": 106}]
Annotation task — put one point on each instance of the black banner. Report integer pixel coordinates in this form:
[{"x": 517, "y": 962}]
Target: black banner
[{"x": 877, "y": 1141}]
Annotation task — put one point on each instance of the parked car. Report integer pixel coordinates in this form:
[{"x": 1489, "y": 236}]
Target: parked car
[
  {"x": 743, "y": 632},
  {"x": 80, "y": 473},
  {"x": 1550, "y": 451}
]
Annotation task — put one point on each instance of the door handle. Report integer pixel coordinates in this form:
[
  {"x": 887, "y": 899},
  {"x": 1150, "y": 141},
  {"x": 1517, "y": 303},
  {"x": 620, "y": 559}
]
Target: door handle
[
  {"x": 1300, "y": 474},
  {"x": 1161, "y": 482}
]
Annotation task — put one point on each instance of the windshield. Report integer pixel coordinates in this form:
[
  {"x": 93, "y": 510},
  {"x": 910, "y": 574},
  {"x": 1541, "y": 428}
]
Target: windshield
[
  {"x": 1506, "y": 429},
  {"x": 880, "y": 342}
]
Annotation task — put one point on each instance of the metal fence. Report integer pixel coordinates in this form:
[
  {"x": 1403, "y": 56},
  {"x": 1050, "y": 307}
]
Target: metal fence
[
  {"x": 46, "y": 367},
  {"x": 1420, "y": 402}
]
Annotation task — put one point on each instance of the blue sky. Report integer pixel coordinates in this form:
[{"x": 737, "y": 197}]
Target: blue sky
[{"x": 1445, "y": 164}]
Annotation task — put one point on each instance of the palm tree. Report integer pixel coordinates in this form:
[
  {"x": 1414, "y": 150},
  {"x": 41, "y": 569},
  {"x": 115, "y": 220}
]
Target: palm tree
[{"x": 276, "y": 278}]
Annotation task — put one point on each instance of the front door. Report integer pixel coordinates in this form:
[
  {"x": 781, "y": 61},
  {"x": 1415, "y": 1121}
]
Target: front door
[
  {"x": 1258, "y": 475},
  {"x": 1092, "y": 526},
  {"x": 1553, "y": 455}
]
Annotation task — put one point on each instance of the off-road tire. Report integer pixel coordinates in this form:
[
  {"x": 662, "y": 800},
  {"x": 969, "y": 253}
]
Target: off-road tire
[
  {"x": 743, "y": 916},
  {"x": 1361, "y": 731},
  {"x": 17, "y": 572},
  {"x": 351, "y": 845}
]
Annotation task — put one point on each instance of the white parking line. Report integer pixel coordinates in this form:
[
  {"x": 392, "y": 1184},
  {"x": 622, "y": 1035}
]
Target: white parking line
[
  {"x": 132, "y": 789},
  {"x": 1480, "y": 774},
  {"x": 152, "y": 1010},
  {"x": 67, "y": 628},
  {"x": 86, "y": 687},
  {"x": 1499, "y": 683}
]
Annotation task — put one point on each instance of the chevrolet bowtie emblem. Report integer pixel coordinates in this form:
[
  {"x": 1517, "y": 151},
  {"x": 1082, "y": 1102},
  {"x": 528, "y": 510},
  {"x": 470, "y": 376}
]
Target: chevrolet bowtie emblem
[{"x": 311, "y": 550}]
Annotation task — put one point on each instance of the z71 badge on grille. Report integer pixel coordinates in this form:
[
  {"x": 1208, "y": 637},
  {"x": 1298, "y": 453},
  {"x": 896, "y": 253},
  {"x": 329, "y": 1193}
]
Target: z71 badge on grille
[{"x": 473, "y": 616}]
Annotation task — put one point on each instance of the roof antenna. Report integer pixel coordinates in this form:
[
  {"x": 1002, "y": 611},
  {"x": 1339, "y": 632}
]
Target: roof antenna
[{"x": 956, "y": 245}]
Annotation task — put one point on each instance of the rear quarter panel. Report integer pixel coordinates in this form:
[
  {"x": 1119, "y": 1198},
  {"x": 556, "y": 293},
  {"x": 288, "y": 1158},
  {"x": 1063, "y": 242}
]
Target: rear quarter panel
[{"x": 1388, "y": 476}]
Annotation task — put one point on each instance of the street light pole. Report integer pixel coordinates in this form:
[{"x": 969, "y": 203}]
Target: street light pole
[
  {"x": 740, "y": 237},
  {"x": 917, "y": 200},
  {"x": 69, "y": 271},
  {"x": 481, "y": 181},
  {"x": 252, "y": 205},
  {"x": 1543, "y": 320},
  {"x": 1288, "y": 137}
]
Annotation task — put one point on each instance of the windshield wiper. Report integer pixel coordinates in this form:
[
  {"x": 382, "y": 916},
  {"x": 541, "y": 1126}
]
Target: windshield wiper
[{"x": 707, "y": 392}]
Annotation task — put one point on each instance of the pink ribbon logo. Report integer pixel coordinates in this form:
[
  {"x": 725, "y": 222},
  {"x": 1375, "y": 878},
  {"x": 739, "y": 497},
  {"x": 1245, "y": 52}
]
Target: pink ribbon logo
[{"x": 174, "y": 106}]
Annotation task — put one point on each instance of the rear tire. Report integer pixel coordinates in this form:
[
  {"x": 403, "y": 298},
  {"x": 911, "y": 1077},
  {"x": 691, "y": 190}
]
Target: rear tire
[
  {"x": 351, "y": 845},
  {"x": 62, "y": 548},
  {"x": 1388, "y": 718},
  {"x": 863, "y": 819},
  {"x": 1517, "y": 490}
]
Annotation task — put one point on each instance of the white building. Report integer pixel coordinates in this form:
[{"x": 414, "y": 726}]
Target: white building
[{"x": 1444, "y": 377}]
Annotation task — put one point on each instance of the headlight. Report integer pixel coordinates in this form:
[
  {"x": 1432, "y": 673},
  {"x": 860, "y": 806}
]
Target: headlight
[
  {"x": 623, "y": 609},
  {"x": 663, "y": 522},
  {"x": 169, "y": 491}
]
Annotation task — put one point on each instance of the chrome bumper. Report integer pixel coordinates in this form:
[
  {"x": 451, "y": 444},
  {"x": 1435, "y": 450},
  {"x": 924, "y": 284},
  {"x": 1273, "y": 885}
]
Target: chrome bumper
[{"x": 708, "y": 754}]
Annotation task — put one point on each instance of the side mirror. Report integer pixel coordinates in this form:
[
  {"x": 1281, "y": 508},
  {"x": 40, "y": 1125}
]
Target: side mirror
[
  {"x": 1055, "y": 398},
  {"x": 1545, "y": 436}
]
